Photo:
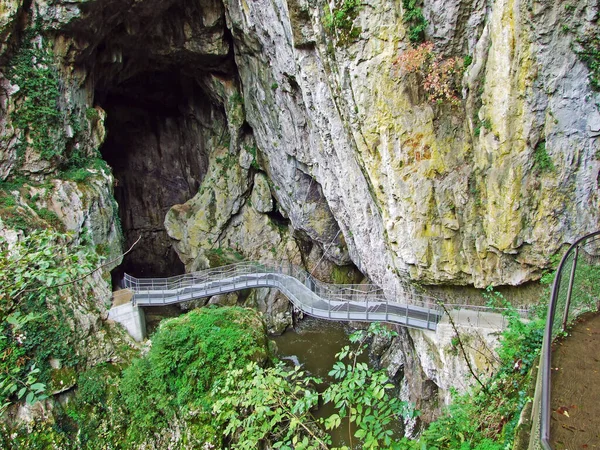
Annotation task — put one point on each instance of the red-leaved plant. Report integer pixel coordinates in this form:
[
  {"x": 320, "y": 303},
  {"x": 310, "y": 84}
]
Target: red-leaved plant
[{"x": 439, "y": 77}]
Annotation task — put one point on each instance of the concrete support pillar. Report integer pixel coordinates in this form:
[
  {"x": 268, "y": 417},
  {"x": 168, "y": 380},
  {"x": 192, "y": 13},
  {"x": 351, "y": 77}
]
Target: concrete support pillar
[{"x": 132, "y": 318}]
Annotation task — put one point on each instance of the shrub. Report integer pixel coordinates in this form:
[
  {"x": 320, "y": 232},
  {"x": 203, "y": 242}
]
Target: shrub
[
  {"x": 256, "y": 406},
  {"x": 413, "y": 17},
  {"x": 188, "y": 355},
  {"x": 34, "y": 276},
  {"x": 439, "y": 77},
  {"x": 340, "y": 20}
]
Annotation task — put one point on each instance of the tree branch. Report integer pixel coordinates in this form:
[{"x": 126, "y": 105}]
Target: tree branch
[
  {"x": 66, "y": 283},
  {"x": 314, "y": 436},
  {"x": 462, "y": 348}
]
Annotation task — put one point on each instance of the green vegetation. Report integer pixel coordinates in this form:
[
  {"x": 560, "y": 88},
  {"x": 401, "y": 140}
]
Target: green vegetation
[
  {"x": 467, "y": 60},
  {"x": 49, "y": 217},
  {"x": 82, "y": 168},
  {"x": 172, "y": 385},
  {"x": 20, "y": 210},
  {"x": 345, "y": 275},
  {"x": 236, "y": 99},
  {"x": 414, "y": 19},
  {"x": 38, "y": 115},
  {"x": 541, "y": 159},
  {"x": 273, "y": 405},
  {"x": 253, "y": 151},
  {"x": 222, "y": 256},
  {"x": 188, "y": 356},
  {"x": 590, "y": 55},
  {"x": 586, "y": 290},
  {"x": 486, "y": 419},
  {"x": 83, "y": 423},
  {"x": 485, "y": 123},
  {"x": 363, "y": 396},
  {"x": 208, "y": 374},
  {"x": 34, "y": 323},
  {"x": 339, "y": 20},
  {"x": 14, "y": 215},
  {"x": 92, "y": 114}
]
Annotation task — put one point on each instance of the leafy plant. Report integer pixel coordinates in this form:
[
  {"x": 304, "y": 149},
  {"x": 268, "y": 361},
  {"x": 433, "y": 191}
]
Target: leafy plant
[
  {"x": 363, "y": 396},
  {"x": 35, "y": 273},
  {"x": 272, "y": 406},
  {"x": 541, "y": 159},
  {"x": 339, "y": 20},
  {"x": 413, "y": 17},
  {"x": 96, "y": 417},
  {"x": 439, "y": 77}
]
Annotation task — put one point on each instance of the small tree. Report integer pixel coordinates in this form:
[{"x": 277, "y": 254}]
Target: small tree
[
  {"x": 363, "y": 396},
  {"x": 273, "y": 405}
]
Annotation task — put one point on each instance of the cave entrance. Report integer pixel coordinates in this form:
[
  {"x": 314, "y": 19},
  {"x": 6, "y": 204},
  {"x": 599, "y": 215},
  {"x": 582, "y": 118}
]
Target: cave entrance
[{"x": 156, "y": 144}]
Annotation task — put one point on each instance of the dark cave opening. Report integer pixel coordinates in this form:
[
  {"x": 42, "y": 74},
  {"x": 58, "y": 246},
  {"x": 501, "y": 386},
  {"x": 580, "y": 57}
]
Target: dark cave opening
[
  {"x": 156, "y": 145},
  {"x": 277, "y": 218},
  {"x": 158, "y": 72}
]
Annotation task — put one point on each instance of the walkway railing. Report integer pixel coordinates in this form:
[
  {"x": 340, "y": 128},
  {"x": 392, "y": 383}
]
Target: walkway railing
[
  {"x": 575, "y": 290},
  {"x": 477, "y": 316},
  {"x": 363, "y": 302}
]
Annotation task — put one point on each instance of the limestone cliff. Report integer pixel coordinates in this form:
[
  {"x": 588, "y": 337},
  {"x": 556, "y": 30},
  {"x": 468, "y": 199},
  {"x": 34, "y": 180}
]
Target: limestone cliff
[
  {"x": 356, "y": 156},
  {"x": 287, "y": 130},
  {"x": 415, "y": 189}
]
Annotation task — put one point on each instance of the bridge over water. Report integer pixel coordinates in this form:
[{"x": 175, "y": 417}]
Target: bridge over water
[{"x": 341, "y": 302}]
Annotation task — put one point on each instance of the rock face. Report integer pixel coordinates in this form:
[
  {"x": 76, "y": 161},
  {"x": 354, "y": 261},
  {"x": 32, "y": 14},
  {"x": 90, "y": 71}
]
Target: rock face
[
  {"x": 267, "y": 130},
  {"x": 157, "y": 148},
  {"x": 426, "y": 190},
  {"x": 430, "y": 365},
  {"x": 478, "y": 192}
]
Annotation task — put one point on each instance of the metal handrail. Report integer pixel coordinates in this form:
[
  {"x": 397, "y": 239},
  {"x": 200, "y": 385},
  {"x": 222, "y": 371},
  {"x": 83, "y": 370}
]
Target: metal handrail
[
  {"x": 345, "y": 291},
  {"x": 543, "y": 397},
  {"x": 314, "y": 297}
]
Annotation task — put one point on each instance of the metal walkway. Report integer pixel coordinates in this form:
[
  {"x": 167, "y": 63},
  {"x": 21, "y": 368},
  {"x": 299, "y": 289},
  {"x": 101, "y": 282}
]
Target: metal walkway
[{"x": 359, "y": 302}]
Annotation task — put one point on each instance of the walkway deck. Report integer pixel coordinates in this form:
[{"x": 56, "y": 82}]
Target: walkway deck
[
  {"x": 342, "y": 302},
  {"x": 575, "y": 420},
  {"x": 327, "y": 301}
]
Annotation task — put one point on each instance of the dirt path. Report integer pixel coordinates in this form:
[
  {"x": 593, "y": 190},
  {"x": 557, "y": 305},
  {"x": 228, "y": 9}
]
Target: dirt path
[{"x": 575, "y": 422}]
